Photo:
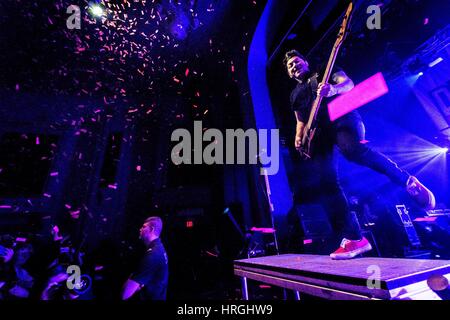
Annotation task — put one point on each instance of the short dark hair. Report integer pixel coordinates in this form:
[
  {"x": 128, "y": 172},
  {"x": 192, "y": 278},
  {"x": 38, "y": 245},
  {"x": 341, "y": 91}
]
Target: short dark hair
[
  {"x": 292, "y": 53},
  {"x": 156, "y": 223}
]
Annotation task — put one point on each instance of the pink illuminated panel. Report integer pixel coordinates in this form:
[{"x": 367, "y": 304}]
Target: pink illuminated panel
[{"x": 363, "y": 93}]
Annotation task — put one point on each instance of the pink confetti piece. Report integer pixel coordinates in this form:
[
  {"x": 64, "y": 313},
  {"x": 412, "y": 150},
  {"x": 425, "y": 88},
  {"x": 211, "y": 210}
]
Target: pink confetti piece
[{"x": 75, "y": 214}]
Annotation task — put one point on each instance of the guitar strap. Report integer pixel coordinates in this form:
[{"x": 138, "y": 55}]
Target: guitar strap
[{"x": 314, "y": 82}]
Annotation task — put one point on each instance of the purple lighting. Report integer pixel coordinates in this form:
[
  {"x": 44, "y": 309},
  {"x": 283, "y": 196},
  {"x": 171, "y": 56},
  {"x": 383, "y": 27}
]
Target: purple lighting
[{"x": 363, "y": 93}]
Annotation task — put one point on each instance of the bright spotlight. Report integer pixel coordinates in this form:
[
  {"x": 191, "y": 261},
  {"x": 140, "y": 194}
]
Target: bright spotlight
[
  {"x": 96, "y": 10},
  {"x": 443, "y": 150},
  {"x": 435, "y": 62},
  {"x": 411, "y": 80}
]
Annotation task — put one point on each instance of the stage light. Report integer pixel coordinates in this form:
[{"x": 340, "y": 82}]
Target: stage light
[
  {"x": 435, "y": 62},
  {"x": 434, "y": 152},
  {"x": 411, "y": 80},
  {"x": 96, "y": 10}
]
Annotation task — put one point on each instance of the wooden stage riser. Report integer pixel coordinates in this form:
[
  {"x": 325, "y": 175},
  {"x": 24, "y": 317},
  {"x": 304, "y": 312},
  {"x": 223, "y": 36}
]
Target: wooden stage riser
[
  {"x": 361, "y": 291},
  {"x": 417, "y": 291},
  {"x": 305, "y": 288},
  {"x": 398, "y": 279}
]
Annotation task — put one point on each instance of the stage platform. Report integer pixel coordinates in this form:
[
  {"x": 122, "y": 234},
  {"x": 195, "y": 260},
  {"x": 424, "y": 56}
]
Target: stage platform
[{"x": 360, "y": 278}]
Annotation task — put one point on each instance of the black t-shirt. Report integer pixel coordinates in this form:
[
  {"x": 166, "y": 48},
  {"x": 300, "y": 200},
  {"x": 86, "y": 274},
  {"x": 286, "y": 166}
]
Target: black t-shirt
[
  {"x": 153, "y": 273},
  {"x": 304, "y": 94}
]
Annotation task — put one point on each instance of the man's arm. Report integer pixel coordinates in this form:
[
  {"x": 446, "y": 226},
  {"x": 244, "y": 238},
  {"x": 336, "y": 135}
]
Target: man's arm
[
  {"x": 129, "y": 289},
  {"x": 144, "y": 273},
  {"x": 342, "y": 84},
  {"x": 299, "y": 130}
]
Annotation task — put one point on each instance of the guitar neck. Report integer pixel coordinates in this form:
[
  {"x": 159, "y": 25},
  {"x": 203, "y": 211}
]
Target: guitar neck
[{"x": 326, "y": 77}]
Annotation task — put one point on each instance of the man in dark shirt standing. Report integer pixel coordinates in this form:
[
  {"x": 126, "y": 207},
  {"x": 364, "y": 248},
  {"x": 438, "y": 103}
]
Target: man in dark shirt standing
[
  {"x": 319, "y": 174},
  {"x": 151, "y": 276}
]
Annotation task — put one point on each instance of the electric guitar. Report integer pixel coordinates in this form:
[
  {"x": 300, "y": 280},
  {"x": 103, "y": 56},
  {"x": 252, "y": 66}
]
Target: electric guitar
[{"x": 310, "y": 129}]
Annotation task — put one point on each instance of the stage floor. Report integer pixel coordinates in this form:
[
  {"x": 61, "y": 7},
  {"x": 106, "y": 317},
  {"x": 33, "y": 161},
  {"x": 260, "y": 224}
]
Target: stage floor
[{"x": 361, "y": 278}]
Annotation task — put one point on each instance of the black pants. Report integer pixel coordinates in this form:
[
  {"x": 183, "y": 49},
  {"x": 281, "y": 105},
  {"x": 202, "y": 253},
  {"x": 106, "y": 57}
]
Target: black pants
[{"x": 319, "y": 180}]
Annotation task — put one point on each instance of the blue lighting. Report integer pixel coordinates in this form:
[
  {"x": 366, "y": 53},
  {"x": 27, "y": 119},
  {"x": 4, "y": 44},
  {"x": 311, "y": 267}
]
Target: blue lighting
[{"x": 411, "y": 80}]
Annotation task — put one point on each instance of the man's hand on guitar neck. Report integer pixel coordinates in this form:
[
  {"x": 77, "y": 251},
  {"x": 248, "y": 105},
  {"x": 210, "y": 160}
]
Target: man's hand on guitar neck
[{"x": 326, "y": 90}]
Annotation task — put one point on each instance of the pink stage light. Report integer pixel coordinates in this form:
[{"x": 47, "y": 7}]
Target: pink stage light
[
  {"x": 363, "y": 93},
  {"x": 263, "y": 230},
  {"x": 425, "y": 219}
]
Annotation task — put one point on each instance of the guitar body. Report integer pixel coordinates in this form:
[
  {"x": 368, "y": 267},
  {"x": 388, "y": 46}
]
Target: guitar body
[
  {"x": 307, "y": 147},
  {"x": 307, "y": 144}
]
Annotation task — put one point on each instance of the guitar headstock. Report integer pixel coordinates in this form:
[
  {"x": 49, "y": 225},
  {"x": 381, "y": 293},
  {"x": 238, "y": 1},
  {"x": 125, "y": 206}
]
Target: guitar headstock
[{"x": 343, "y": 30}]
